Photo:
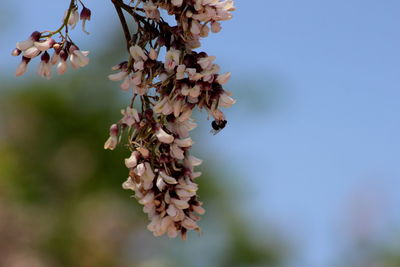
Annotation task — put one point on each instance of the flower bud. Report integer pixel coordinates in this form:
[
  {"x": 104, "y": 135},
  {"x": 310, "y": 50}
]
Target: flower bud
[
  {"x": 114, "y": 130},
  {"x": 16, "y": 52},
  {"x": 22, "y": 67},
  {"x": 45, "y": 57},
  {"x": 215, "y": 27},
  {"x": 112, "y": 141},
  {"x": 44, "y": 69},
  {"x": 35, "y": 36},
  {"x": 85, "y": 14}
]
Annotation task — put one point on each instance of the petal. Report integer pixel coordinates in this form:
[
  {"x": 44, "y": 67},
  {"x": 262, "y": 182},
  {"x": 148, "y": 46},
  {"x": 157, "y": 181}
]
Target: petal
[
  {"x": 163, "y": 137},
  {"x": 168, "y": 179}
]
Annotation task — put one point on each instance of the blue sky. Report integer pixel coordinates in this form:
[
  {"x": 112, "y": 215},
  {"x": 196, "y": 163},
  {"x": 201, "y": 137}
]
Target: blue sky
[{"x": 314, "y": 137}]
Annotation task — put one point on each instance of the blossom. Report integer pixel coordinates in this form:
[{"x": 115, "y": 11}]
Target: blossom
[
  {"x": 171, "y": 59},
  {"x": 118, "y": 76},
  {"x": 177, "y": 3},
  {"x": 77, "y": 57},
  {"x": 24, "y": 45},
  {"x": 226, "y": 101},
  {"x": 56, "y": 56},
  {"x": 62, "y": 65},
  {"x": 153, "y": 54},
  {"x": 168, "y": 179},
  {"x": 223, "y": 78},
  {"x": 151, "y": 10},
  {"x": 22, "y": 67},
  {"x": 112, "y": 141},
  {"x": 131, "y": 116},
  {"x": 215, "y": 27},
  {"x": 163, "y": 137},
  {"x": 31, "y": 52},
  {"x": 137, "y": 53},
  {"x": 131, "y": 162},
  {"x": 85, "y": 16},
  {"x": 73, "y": 17},
  {"x": 44, "y": 45},
  {"x": 44, "y": 69},
  {"x": 129, "y": 184}
]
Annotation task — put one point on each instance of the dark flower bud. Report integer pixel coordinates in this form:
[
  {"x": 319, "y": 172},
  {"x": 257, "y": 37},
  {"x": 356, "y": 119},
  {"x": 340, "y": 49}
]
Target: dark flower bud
[
  {"x": 35, "y": 36},
  {"x": 45, "y": 57},
  {"x": 114, "y": 130},
  {"x": 64, "y": 55},
  {"x": 16, "y": 52},
  {"x": 85, "y": 14}
]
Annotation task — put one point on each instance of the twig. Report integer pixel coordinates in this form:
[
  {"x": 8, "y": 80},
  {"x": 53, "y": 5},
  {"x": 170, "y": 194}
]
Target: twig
[{"x": 117, "y": 5}]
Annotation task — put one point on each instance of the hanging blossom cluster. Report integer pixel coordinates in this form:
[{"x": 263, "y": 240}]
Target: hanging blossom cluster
[
  {"x": 169, "y": 80},
  {"x": 40, "y": 44}
]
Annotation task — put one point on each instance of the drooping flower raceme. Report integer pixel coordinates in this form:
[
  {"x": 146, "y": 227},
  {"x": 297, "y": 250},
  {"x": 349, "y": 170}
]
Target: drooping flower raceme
[
  {"x": 41, "y": 43},
  {"x": 169, "y": 80}
]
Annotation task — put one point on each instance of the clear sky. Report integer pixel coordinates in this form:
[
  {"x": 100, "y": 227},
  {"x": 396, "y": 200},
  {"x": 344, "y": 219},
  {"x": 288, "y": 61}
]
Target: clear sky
[{"x": 314, "y": 137}]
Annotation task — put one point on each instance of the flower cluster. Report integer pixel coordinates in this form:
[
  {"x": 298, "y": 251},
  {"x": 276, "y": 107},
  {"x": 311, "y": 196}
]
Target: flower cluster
[
  {"x": 195, "y": 15},
  {"x": 40, "y": 44},
  {"x": 170, "y": 80}
]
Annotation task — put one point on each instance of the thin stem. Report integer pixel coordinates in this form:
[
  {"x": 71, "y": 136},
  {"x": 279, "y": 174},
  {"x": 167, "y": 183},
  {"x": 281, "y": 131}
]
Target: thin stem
[{"x": 117, "y": 5}]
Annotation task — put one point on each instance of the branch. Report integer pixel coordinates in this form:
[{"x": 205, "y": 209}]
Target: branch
[{"x": 117, "y": 5}]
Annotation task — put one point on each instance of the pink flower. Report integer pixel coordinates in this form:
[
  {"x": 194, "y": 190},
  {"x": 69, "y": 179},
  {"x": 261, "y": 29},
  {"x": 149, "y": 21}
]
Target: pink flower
[
  {"x": 163, "y": 137},
  {"x": 195, "y": 28},
  {"x": 223, "y": 78},
  {"x": 215, "y": 27},
  {"x": 45, "y": 45},
  {"x": 153, "y": 54},
  {"x": 112, "y": 141},
  {"x": 62, "y": 65},
  {"x": 137, "y": 53},
  {"x": 118, "y": 76},
  {"x": 180, "y": 72},
  {"x": 226, "y": 101},
  {"x": 131, "y": 162},
  {"x": 168, "y": 179},
  {"x": 129, "y": 184},
  {"x": 24, "y": 45},
  {"x": 73, "y": 17},
  {"x": 177, "y": 3},
  {"x": 206, "y": 62},
  {"x": 77, "y": 57},
  {"x": 45, "y": 66},
  {"x": 85, "y": 16},
  {"x": 152, "y": 11},
  {"x": 22, "y": 67},
  {"x": 31, "y": 52},
  {"x": 171, "y": 59},
  {"x": 131, "y": 116}
]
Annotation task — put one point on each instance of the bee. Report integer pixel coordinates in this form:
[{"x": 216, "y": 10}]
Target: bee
[{"x": 217, "y": 126}]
